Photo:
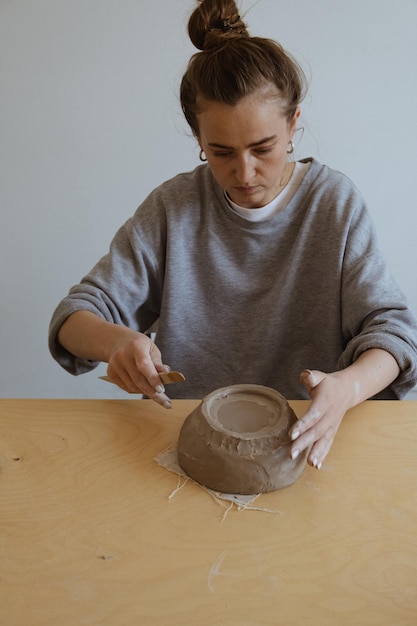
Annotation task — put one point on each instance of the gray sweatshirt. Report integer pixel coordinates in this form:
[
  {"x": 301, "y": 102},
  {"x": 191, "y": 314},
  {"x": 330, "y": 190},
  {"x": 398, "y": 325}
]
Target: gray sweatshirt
[{"x": 250, "y": 302}]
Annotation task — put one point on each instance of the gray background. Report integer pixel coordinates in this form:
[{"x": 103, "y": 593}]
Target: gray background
[{"x": 90, "y": 123}]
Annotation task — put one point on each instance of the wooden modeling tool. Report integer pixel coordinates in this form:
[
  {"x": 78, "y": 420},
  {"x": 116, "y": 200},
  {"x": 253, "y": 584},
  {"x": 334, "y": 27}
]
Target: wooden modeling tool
[{"x": 166, "y": 378}]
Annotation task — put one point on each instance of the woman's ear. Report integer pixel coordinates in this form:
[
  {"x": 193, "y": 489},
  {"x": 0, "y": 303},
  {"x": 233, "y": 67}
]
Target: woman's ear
[{"x": 294, "y": 121}]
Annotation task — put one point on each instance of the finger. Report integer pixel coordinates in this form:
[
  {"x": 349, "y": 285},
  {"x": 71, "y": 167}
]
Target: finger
[
  {"x": 150, "y": 366},
  {"x": 156, "y": 357},
  {"x": 133, "y": 374},
  {"x": 311, "y": 378},
  {"x": 128, "y": 385},
  {"x": 148, "y": 382},
  {"x": 302, "y": 443},
  {"x": 146, "y": 376},
  {"x": 306, "y": 377},
  {"x": 320, "y": 450},
  {"x": 308, "y": 421},
  {"x": 162, "y": 399},
  {"x": 311, "y": 428},
  {"x": 123, "y": 381},
  {"x": 163, "y": 368},
  {"x": 159, "y": 394}
]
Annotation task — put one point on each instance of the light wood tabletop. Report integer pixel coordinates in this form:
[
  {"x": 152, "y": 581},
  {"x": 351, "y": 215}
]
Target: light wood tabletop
[{"x": 90, "y": 535}]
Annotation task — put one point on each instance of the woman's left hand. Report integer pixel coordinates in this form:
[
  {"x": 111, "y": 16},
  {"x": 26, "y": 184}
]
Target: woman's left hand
[
  {"x": 318, "y": 427},
  {"x": 333, "y": 394}
]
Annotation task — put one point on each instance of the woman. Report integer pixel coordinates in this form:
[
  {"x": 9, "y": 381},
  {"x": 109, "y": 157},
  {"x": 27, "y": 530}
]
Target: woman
[{"x": 255, "y": 267}]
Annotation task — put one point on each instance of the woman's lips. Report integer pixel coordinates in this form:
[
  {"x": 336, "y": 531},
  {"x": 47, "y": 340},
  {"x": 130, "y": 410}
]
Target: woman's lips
[{"x": 247, "y": 190}]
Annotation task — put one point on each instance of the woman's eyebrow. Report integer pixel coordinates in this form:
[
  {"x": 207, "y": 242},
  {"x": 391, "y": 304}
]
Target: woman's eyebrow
[{"x": 252, "y": 145}]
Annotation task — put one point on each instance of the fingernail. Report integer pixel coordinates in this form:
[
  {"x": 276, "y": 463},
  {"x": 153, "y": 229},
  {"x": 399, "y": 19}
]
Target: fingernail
[
  {"x": 167, "y": 404},
  {"x": 295, "y": 434},
  {"x": 307, "y": 377},
  {"x": 159, "y": 389},
  {"x": 294, "y": 454},
  {"x": 316, "y": 463}
]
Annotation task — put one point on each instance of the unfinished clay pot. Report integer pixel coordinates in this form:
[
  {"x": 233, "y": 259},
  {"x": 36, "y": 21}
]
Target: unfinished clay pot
[{"x": 236, "y": 441}]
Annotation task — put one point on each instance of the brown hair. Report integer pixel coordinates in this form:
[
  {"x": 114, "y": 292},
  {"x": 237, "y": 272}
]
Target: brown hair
[{"x": 232, "y": 64}]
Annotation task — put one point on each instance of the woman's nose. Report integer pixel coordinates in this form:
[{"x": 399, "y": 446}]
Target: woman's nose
[{"x": 244, "y": 169}]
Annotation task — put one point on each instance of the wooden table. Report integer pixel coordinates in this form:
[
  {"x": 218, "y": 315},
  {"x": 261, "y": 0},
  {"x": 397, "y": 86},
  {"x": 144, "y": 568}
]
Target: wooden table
[{"x": 88, "y": 534}]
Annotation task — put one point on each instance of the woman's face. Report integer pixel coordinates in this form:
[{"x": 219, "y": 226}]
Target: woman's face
[{"x": 246, "y": 146}]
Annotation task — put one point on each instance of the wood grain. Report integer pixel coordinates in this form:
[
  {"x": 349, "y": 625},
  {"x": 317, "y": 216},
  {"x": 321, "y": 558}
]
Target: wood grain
[{"x": 88, "y": 534}]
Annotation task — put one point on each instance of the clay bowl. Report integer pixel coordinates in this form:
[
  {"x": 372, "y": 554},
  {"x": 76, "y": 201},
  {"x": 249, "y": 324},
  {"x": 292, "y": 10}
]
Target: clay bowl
[{"x": 236, "y": 441}]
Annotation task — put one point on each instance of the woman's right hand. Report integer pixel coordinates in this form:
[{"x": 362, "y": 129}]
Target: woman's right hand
[
  {"x": 134, "y": 361},
  {"x": 134, "y": 366}
]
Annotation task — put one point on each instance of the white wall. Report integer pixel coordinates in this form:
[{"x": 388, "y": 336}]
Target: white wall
[{"x": 90, "y": 123}]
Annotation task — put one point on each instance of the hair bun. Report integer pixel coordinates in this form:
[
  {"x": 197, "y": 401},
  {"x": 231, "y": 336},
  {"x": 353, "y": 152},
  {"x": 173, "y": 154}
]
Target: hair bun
[{"x": 214, "y": 21}]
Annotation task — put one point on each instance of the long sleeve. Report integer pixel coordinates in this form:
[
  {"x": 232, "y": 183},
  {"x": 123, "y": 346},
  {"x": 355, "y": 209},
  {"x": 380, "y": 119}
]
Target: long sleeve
[{"x": 240, "y": 301}]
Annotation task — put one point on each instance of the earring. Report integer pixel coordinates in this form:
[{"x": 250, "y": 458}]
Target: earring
[
  {"x": 202, "y": 156},
  {"x": 290, "y": 147}
]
